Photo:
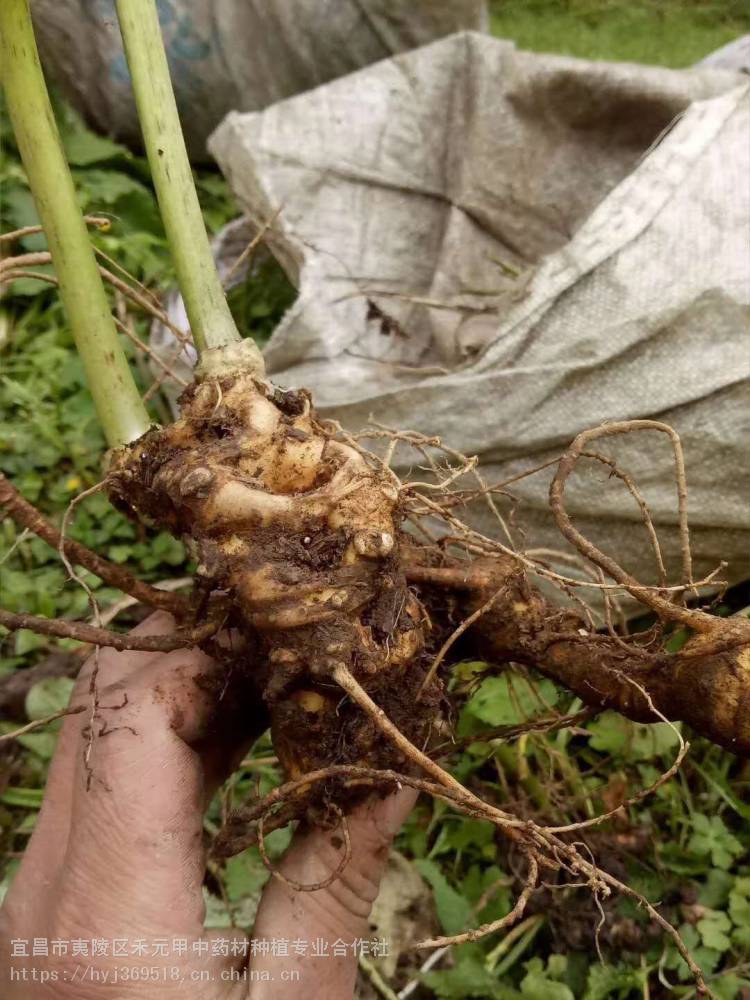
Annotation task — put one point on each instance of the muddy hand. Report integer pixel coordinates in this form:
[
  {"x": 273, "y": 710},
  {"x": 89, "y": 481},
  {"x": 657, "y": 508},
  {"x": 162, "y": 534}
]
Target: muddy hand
[{"x": 118, "y": 854}]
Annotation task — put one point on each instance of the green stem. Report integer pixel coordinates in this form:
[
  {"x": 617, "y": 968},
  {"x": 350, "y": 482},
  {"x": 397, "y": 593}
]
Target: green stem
[
  {"x": 211, "y": 322},
  {"x": 122, "y": 414}
]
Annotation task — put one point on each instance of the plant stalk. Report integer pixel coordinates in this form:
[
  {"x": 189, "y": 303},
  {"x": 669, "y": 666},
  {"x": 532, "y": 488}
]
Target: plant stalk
[
  {"x": 211, "y": 321},
  {"x": 121, "y": 412}
]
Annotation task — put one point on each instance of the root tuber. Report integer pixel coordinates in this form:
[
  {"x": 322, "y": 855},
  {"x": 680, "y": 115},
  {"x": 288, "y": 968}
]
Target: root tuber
[{"x": 305, "y": 534}]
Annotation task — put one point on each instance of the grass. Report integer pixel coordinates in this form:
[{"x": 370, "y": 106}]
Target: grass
[
  {"x": 661, "y": 32},
  {"x": 688, "y": 846}
]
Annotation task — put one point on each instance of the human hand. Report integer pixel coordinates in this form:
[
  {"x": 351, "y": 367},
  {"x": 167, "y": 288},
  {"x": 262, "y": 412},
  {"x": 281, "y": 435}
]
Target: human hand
[{"x": 118, "y": 853}]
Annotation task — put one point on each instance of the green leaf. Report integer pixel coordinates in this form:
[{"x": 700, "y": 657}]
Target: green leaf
[
  {"x": 42, "y": 744},
  {"x": 459, "y": 834},
  {"x": 615, "y": 735},
  {"x": 120, "y": 553},
  {"x": 730, "y": 987},
  {"x": 138, "y": 215},
  {"x": 245, "y": 875},
  {"x": 714, "y": 929},
  {"x": 105, "y": 187},
  {"x": 48, "y": 696},
  {"x": 677, "y": 640},
  {"x": 27, "y": 641},
  {"x": 719, "y": 783},
  {"x": 8, "y": 876},
  {"x": 28, "y": 824},
  {"x": 739, "y": 911},
  {"x": 502, "y": 701},
  {"x": 476, "y": 884},
  {"x": 707, "y": 958},
  {"x": 711, "y": 837},
  {"x": 277, "y": 841},
  {"x": 454, "y": 912},
  {"x": 468, "y": 979},
  {"x": 83, "y": 148},
  {"x": 81, "y": 145},
  {"x": 543, "y": 984},
  {"x": 19, "y": 211},
  {"x": 24, "y": 798},
  {"x": 715, "y": 891},
  {"x": 219, "y": 915},
  {"x": 508, "y": 950},
  {"x": 618, "y": 981}
]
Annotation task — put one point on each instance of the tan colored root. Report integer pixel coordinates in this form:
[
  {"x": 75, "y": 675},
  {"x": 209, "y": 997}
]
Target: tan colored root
[
  {"x": 532, "y": 882},
  {"x": 180, "y": 639},
  {"x": 667, "y": 610},
  {"x": 632, "y": 488},
  {"x": 99, "y": 221},
  {"x": 27, "y": 516},
  {"x": 300, "y": 529},
  {"x": 314, "y": 886},
  {"x": 240, "y": 831},
  {"x": 344, "y": 679},
  {"x": 32, "y": 727},
  {"x": 606, "y": 671},
  {"x": 548, "y": 851},
  {"x": 12, "y": 268},
  {"x": 523, "y": 626},
  {"x": 472, "y": 542},
  {"x": 454, "y": 636},
  {"x": 542, "y": 845},
  {"x": 268, "y": 485}
]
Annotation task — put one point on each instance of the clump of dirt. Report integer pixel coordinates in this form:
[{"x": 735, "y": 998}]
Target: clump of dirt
[{"x": 301, "y": 533}]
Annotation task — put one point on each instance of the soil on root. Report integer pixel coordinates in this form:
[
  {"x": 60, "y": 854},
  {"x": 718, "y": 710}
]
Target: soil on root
[{"x": 301, "y": 534}]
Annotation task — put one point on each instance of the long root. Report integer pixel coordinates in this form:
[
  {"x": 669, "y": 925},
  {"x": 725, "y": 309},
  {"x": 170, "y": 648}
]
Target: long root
[{"x": 706, "y": 683}]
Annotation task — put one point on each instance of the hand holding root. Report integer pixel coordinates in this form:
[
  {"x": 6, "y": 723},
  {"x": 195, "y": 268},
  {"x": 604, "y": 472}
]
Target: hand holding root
[
  {"x": 304, "y": 533},
  {"x": 118, "y": 851},
  {"x": 307, "y": 546}
]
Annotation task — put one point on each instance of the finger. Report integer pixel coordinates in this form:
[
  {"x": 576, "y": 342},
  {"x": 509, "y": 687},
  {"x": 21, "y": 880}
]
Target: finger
[
  {"x": 140, "y": 789},
  {"x": 47, "y": 845},
  {"x": 175, "y": 692},
  {"x": 113, "y": 666},
  {"x": 339, "y": 911},
  {"x": 376, "y": 821},
  {"x": 135, "y": 835},
  {"x": 315, "y": 853},
  {"x": 185, "y": 683},
  {"x": 111, "y": 670}
]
